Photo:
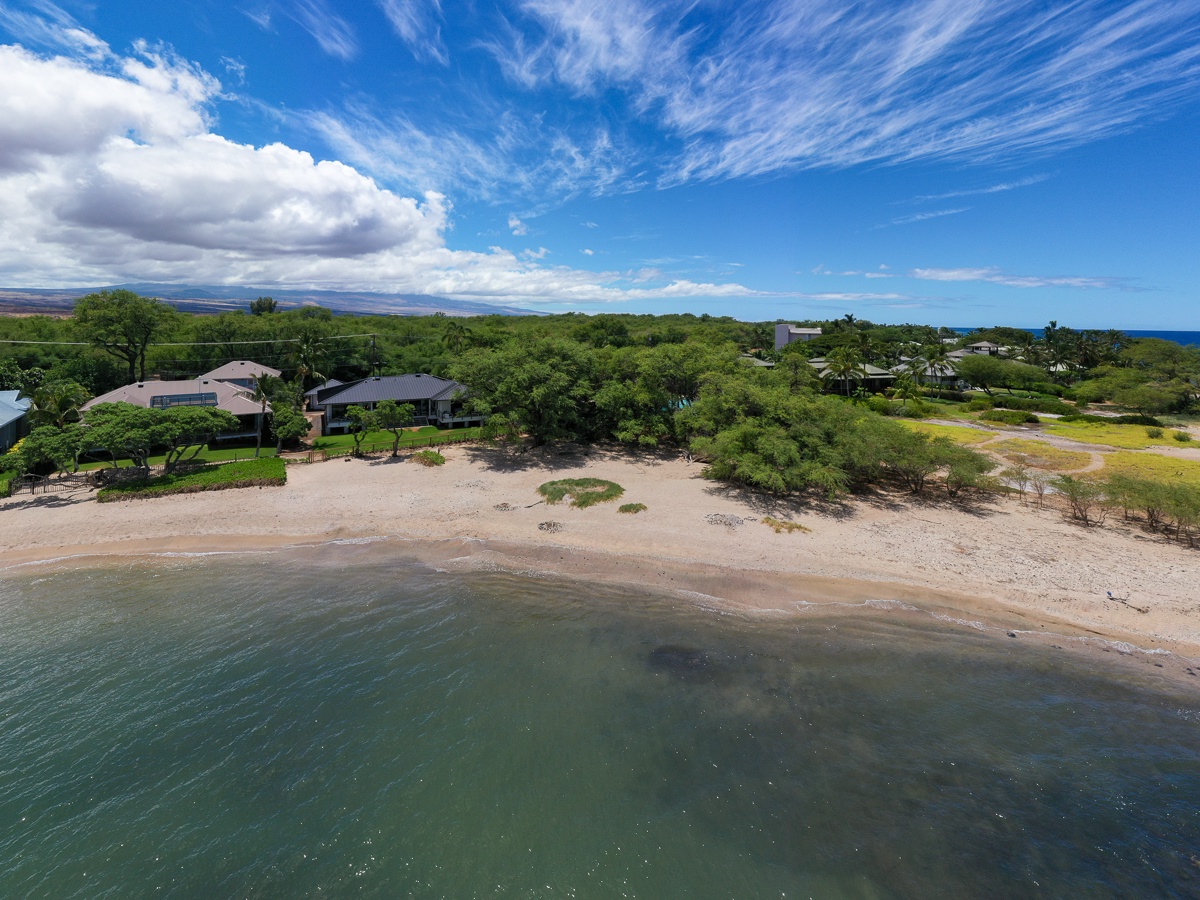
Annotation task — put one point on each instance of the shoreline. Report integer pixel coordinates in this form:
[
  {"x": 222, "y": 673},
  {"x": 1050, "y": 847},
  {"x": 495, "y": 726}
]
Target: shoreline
[{"x": 1003, "y": 567}]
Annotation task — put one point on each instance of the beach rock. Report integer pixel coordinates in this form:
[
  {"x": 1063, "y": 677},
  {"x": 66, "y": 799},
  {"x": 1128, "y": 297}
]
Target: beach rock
[{"x": 551, "y": 527}]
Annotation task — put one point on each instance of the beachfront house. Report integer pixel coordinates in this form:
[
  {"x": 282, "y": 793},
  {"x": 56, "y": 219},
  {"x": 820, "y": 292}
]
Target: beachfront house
[
  {"x": 312, "y": 397},
  {"x": 791, "y": 334},
  {"x": 435, "y": 401},
  {"x": 194, "y": 392},
  {"x": 14, "y": 422}
]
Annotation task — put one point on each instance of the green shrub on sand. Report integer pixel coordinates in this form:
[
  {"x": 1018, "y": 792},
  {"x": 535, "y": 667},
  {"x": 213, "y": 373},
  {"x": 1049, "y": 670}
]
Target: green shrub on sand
[
  {"x": 631, "y": 507},
  {"x": 584, "y": 492}
]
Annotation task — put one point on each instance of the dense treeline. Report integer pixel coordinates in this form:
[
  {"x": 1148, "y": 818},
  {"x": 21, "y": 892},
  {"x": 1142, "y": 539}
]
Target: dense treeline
[{"x": 678, "y": 381}]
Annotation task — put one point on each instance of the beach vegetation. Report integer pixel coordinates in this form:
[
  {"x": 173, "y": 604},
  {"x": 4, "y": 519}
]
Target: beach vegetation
[
  {"x": 125, "y": 430},
  {"x": 266, "y": 470},
  {"x": 632, "y": 508},
  {"x": 1182, "y": 436},
  {"x": 1086, "y": 499},
  {"x": 1154, "y": 433},
  {"x": 393, "y": 417},
  {"x": 288, "y": 425},
  {"x": 428, "y": 458},
  {"x": 584, "y": 492},
  {"x": 780, "y": 526},
  {"x": 1009, "y": 417}
]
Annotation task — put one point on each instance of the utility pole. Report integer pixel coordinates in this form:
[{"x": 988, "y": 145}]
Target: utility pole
[{"x": 374, "y": 358}]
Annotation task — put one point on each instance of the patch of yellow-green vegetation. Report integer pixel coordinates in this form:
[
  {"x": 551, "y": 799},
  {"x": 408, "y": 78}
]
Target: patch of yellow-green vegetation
[
  {"x": 1041, "y": 455},
  {"x": 779, "y": 527},
  {"x": 584, "y": 492},
  {"x": 632, "y": 507},
  {"x": 429, "y": 458},
  {"x": 1152, "y": 467},
  {"x": 1127, "y": 437},
  {"x": 960, "y": 434}
]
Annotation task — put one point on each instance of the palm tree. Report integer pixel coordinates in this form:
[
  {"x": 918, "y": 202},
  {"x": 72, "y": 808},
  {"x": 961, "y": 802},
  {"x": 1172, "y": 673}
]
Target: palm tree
[
  {"x": 844, "y": 364},
  {"x": 263, "y": 388},
  {"x": 455, "y": 336},
  {"x": 937, "y": 360},
  {"x": 905, "y": 388},
  {"x": 57, "y": 403}
]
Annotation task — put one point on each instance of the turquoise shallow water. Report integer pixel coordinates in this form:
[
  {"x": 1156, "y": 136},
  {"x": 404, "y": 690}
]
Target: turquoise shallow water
[{"x": 341, "y": 722}]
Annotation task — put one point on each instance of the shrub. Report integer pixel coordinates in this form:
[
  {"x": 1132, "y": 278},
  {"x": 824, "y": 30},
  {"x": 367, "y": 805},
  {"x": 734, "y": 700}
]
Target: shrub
[
  {"x": 1154, "y": 432},
  {"x": 916, "y": 409},
  {"x": 6, "y": 480},
  {"x": 1182, "y": 436},
  {"x": 1009, "y": 416},
  {"x": 632, "y": 508},
  {"x": 979, "y": 404},
  {"x": 429, "y": 458},
  {"x": 1085, "y": 499},
  {"x": 584, "y": 492},
  {"x": 1112, "y": 420}
]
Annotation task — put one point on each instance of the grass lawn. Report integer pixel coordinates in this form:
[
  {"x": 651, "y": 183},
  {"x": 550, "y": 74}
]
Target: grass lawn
[
  {"x": 248, "y": 473},
  {"x": 205, "y": 456},
  {"x": 421, "y": 436},
  {"x": 1152, "y": 467},
  {"x": 1127, "y": 437},
  {"x": 957, "y": 433},
  {"x": 1040, "y": 455}
]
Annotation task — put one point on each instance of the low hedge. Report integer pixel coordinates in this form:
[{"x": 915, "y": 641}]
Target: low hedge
[
  {"x": 1028, "y": 404},
  {"x": 246, "y": 473},
  {"x": 1009, "y": 416},
  {"x": 1138, "y": 419},
  {"x": 6, "y": 480}
]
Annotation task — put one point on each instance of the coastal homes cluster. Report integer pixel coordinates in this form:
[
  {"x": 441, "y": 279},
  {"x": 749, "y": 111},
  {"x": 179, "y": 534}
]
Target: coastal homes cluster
[
  {"x": 435, "y": 401},
  {"x": 230, "y": 387},
  {"x": 873, "y": 378}
]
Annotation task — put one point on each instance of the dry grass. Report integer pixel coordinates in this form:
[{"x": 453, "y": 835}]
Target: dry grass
[
  {"x": 1153, "y": 467},
  {"x": 1040, "y": 455}
]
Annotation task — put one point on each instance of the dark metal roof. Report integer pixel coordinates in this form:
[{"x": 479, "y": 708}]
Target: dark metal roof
[
  {"x": 326, "y": 386},
  {"x": 401, "y": 388}
]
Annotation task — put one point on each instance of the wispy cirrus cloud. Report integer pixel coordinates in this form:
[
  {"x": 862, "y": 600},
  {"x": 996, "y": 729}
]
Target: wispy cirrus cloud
[
  {"x": 923, "y": 216},
  {"x": 777, "y": 86},
  {"x": 418, "y": 24},
  {"x": 996, "y": 276},
  {"x": 333, "y": 34},
  {"x": 1000, "y": 188}
]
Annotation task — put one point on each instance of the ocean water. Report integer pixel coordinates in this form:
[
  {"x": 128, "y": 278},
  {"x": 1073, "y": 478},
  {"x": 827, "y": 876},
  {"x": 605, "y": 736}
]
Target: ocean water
[
  {"x": 1186, "y": 338},
  {"x": 341, "y": 722}
]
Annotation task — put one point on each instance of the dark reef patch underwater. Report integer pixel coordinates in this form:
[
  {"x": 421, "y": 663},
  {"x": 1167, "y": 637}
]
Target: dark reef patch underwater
[{"x": 341, "y": 722}]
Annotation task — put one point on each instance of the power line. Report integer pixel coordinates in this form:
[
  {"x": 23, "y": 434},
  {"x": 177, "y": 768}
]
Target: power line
[{"x": 331, "y": 337}]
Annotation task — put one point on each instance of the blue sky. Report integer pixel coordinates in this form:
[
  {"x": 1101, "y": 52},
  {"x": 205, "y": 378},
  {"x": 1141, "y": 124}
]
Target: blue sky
[{"x": 943, "y": 161}]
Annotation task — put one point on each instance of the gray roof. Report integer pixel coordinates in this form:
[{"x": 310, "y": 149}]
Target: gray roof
[
  {"x": 331, "y": 383},
  {"x": 401, "y": 388},
  {"x": 241, "y": 368},
  {"x": 198, "y": 391},
  {"x": 12, "y": 407}
]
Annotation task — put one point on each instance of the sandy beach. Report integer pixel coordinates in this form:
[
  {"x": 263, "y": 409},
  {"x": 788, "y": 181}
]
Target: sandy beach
[{"x": 996, "y": 563}]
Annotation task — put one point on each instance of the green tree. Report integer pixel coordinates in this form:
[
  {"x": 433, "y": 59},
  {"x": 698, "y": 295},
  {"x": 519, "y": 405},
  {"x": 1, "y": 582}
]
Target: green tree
[
  {"x": 544, "y": 388},
  {"x": 46, "y": 444},
  {"x": 288, "y": 424},
  {"x": 455, "y": 336},
  {"x": 362, "y": 422},
  {"x": 263, "y": 306},
  {"x": 123, "y": 324},
  {"x": 394, "y": 417}
]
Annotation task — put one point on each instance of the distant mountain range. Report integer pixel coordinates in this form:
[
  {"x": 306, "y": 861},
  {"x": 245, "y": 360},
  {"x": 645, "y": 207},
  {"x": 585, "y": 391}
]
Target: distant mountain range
[{"x": 216, "y": 299}]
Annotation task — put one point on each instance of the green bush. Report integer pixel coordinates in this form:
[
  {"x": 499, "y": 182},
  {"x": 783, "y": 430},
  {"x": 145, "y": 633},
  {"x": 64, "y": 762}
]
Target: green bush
[
  {"x": 1154, "y": 432},
  {"x": 1009, "y": 416},
  {"x": 429, "y": 458},
  {"x": 632, "y": 507},
  {"x": 267, "y": 470},
  {"x": 1182, "y": 436},
  {"x": 979, "y": 404},
  {"x": 6, "y": 479},
  {"x": 1113, "y": 420},
  {"x": 584, "y": 492}
]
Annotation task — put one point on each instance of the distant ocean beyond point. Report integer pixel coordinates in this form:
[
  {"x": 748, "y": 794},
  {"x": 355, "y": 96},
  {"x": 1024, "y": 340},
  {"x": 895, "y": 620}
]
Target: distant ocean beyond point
[{"x": 1187, "y": 338}]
